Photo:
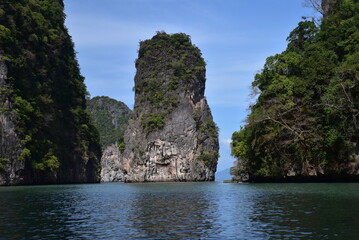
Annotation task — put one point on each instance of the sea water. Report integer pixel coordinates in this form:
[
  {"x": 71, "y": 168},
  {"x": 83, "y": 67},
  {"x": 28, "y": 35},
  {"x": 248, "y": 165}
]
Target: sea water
[{"x": 209, "y": 210}]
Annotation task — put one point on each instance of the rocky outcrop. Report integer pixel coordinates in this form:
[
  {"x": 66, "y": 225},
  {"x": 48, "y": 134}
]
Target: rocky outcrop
[
  {"x": 46, "y": 136},
  {"x": 11, "y": 166},
  {"x": 305, "y": 172},
  {"x": 110, "y": 164},
  {"x": 110, "y": 117},
  {"x": 171, "y": 135}
]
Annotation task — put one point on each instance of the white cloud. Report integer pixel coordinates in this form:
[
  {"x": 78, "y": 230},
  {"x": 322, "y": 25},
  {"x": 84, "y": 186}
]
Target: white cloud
[{"x": 226, "y": 142}]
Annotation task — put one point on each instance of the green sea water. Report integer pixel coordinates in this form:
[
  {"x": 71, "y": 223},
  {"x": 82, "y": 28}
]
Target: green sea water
[{"x": 181, "y": 211}]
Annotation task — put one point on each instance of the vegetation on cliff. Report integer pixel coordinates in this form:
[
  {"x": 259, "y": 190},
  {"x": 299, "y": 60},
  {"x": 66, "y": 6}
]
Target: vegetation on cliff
[
  {"x": 171, "y": 135},
  {"x": 110, "y": 118},
  {"x": 48, "y": 93},
  {"x": 165, "y": 55},
  {"x": 306, "y": 115}
]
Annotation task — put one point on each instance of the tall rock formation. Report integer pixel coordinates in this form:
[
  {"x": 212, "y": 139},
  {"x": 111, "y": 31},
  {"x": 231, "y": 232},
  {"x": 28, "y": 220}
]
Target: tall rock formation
[
  {"x": 46, "y": 136},
  {"x": 171, "y": 135}
]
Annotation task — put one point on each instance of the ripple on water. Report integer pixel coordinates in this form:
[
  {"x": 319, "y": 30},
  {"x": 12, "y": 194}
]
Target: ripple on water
[{"x": 180, "y": 211}]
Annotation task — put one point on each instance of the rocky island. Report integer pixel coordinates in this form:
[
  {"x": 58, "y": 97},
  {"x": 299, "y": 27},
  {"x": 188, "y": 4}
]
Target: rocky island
[
  {"x": 171, "y": 135},
  {"x": 304, "y": 125},
  {"x": 46, "y": 135}
]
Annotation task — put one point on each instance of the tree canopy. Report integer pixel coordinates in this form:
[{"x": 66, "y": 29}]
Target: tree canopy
[
  {"x": 46, "y": 88},
  {"x": 308, "y": 107}
]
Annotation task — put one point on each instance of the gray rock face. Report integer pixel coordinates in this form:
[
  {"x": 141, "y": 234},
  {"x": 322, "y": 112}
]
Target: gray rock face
[
  {"x": 171, "y": 135},
  {"x": 110, "y": 164},
  {"x": 172, "y": 153},
  {"x": 11, "y": 167}
]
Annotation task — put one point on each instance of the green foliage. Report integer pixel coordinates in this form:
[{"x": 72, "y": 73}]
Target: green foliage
[
  {"x": 48, "y": 90},
  {"x": 302, "y": 35},
  {"x": 3, "y": 162},
  {"x": 307, "y": 110},
  {"x": 49, "y": 162},
  {"x": 239, "y": 145},
  {"x": 153, "y": 121},
  {"x": 25, "y": 154},
  {"x": 141, "y": 152},
  {"x": 110, "y": 117},
  {"x": 23, "y": 108},
  {"x": 121, "y": 146},
  {"x": 208, "y": 157},
  {"x": 209, "y": 126},
  {"x": 165, "y": 63},
  {"x": 4, "y": 33}
]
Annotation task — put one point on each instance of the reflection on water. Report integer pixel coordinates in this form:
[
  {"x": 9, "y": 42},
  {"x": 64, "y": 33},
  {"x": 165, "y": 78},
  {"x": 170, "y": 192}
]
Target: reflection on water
[
  {"x": 174, "y": 215},
  {"x": 180, "y": 211}
]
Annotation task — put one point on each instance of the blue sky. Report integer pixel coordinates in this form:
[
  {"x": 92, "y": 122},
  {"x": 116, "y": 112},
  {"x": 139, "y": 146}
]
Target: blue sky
[{"x": 235, "y": 37}]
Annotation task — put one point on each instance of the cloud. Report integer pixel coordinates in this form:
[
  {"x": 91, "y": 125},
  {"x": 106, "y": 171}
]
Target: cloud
[{"x": 226, "y": 142}]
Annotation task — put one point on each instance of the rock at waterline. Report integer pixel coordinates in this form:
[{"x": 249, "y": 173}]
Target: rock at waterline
[{"x": 171, "y": 135}]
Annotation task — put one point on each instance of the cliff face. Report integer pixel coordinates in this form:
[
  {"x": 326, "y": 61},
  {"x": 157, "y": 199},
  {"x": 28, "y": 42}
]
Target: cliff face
[
  {"x": 171, "y": 135},
  {"x": 46, "y": 134},
  {"x": 110, "y": 117},
  {"x": 11, "y": 166},
  {"x": 110, "y": 164}
]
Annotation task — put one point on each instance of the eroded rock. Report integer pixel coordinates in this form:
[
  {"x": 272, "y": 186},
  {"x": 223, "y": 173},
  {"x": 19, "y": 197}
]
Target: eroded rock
[{"x": 171, "y": 135}]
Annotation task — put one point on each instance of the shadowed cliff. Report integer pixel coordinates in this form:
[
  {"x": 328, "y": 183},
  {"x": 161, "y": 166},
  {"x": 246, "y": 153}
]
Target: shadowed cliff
[{"x": 46, "y": 135}]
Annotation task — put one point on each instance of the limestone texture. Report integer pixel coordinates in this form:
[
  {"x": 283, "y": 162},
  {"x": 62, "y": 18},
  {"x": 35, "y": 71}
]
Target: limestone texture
[
  {"x": 11, "y": 166},
  {"x": 110, "y": 117},
  {"x": 171, "y": 135}
]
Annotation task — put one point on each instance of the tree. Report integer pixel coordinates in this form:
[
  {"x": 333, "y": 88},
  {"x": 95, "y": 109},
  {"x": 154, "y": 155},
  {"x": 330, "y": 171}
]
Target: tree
[
  {"x": 307, "y": 112},
  {"x": 324, "y": 7}
]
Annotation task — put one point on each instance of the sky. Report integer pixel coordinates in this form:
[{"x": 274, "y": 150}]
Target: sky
[{"x": 234, "y": 36}]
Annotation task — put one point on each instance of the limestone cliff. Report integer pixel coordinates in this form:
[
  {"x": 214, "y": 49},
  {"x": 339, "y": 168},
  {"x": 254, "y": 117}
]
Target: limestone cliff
[
  {"x": 110, "y": 164},
  {"x": 110, "y": 117},
  {"x": 171, "y": 135},
  {"x": 11, "y": 166},
  {"x": 46, "y": 135}
]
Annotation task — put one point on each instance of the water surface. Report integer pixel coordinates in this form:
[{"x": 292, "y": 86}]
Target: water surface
[{"x": 180, "y": 211}]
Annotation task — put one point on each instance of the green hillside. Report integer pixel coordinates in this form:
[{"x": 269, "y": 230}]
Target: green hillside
[{"x": 305, "y": 121}]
